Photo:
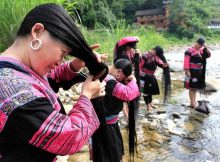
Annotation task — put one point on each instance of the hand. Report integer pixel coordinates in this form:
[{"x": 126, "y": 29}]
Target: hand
[
  {"x": 187, "y": 72},
  {"x": 205, "y": 46},
  {"x": 77, "y": 64},
  {"x": 138, "y": 51},
  {"x": 93, "y": 89},
  {"x": 165, "y": 65},
  {"x": 100, "y": 57},
  {"x": 129, "y": 78}
]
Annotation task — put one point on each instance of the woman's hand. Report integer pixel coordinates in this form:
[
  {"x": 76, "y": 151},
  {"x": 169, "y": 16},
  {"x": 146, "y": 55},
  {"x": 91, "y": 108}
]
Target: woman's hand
[
  {"x": 77, "y": 64},
  {"x": 187, "y": 72},
  {"x": 129, "y": 78},
  {"x": 93, "y": 89},
  {"x": 165, "y": 65}
]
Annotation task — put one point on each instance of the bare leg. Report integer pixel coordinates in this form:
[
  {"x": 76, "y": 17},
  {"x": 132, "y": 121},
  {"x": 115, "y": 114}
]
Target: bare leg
[
  {"x": 125, "y": 110},
  {"x": 192, "y": 97},
  {"x": 149, "y": 107},
  {"x": 195, "y": 101}
]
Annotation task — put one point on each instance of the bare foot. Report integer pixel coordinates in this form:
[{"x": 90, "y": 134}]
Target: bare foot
[
  {"x": 153, "y": 106},
  {"x": 193, "y": 106},
  {"x": 149, "y": 107}
]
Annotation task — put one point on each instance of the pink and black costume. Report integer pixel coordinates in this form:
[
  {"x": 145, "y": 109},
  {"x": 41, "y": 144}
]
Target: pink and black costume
[
  {"x": 149, "y": 85},
  {"x": 111, "y": 149},
  {"x": 195, "y": 61},
  {"x": 33, "y": 123}
]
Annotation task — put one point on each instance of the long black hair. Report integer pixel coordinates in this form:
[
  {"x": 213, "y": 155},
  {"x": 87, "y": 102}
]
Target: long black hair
[
  {"x": 166, "y": 73},
  {"x": 61, "y": 26},
  {"x": 119, "y": 52}
]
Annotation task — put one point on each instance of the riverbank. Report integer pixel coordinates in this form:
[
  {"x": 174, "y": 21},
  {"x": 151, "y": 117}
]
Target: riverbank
[{"x": 175, "y": 132}]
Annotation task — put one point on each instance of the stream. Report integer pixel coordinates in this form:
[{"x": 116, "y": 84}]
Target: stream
[{"x": 176, "y": 132}]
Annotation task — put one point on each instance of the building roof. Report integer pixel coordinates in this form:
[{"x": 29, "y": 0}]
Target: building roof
[{"x": 149, "y": 12}]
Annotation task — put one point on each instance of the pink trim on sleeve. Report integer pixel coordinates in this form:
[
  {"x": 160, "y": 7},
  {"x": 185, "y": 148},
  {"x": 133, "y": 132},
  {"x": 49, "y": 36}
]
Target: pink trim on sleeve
[
  {"x": 62, "y": 73},
  {"x": 65, "y": 135},
  {"x": 186, "y": 62},
  {"x": 126, "y": 92}
]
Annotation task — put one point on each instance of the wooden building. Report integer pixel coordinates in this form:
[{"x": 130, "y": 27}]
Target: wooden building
[
  {"x": 214, "y": 24},
  {"x": 155, "y": 17}
]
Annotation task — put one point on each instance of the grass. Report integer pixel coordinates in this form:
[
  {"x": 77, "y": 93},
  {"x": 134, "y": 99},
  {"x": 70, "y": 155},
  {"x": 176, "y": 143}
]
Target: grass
[
  {"x": 12, "y": 13},
  {"x": 149, "y": 38}
]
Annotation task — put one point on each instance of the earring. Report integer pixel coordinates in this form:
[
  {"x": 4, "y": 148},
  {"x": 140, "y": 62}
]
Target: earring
[{"x": 37, "y": 43}]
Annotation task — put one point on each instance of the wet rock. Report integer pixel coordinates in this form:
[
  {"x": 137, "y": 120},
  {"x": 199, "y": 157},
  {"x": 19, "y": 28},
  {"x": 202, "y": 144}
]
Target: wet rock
[
  {"x": 79, "y": 157},
  {"x": 175, "y": 66},
  {"x": 176, "y": 115},
  {"x": 170, "y": 124},
  {"x": 155, "y": 144},
  {"x": 203, "y": 156},
  {"x": 68, "y": 107},
  {"x": 212, "y": 84},
  {"x": 62, "y": 158},
  {"x": 145, "y": 123},
  {"x": 161, "y": 116},
  {"x": 177, "y": 132},
  {"x": 155, "y": 102},
  {"x": 75, "y": 97},
  {"x": 161, "y": 111},
  {"x": 158, "y": 138},
  {"x": 154, "y": 125}
]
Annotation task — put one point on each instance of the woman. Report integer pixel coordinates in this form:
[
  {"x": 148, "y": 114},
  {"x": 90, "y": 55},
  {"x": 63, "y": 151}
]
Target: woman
[
  {"x": 195, "y": 67},
  {"x": 33, "y": 123},
  {"x": 149, "y": 63},
  {"x": 121, "y": 87},
  {"x": 126, "y": 48}
]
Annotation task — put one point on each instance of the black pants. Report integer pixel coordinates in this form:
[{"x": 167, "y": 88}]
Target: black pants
[{"x": 148, "y": 99}]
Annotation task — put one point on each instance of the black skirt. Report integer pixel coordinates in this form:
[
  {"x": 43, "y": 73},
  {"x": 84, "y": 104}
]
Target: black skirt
[
  {"x": 115, "y": 149},
  {"x": 150, "y": 85}
]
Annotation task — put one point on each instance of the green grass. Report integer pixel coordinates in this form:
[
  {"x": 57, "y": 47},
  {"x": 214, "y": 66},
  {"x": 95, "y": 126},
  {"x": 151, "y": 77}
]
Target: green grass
[
  {"x": 149, "y": 38},
  {"x": 12, "y": 13}
]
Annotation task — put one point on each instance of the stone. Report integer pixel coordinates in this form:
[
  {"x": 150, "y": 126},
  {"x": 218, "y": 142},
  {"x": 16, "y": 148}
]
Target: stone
[
  {"x": 62, "y": 158},
  {"x": 145, "y": 123},
  {"x": 176, "y": 115},
  {"x": 75, "y": 97},
  {"x": 161, "y": 111},
  {"x": 176, "y": 132}
]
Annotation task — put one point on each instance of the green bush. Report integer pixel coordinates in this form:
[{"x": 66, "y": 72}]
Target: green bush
[{"x": 12, "y": 13}]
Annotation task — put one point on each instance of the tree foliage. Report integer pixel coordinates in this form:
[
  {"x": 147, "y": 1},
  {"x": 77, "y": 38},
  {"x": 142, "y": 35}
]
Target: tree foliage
[{"x": 189, "y": 17}]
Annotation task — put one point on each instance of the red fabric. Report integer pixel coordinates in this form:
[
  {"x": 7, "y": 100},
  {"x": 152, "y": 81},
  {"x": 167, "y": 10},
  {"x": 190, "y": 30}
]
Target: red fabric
[
  {"x": 62, "y": 73},
  {"x": 195, "y": 66},
  {"x": 186, "y": 62},
  {"x": 126, "y": 40},
  {"x": 146, "y": 71},
  {"x": 64, "y": 135}
]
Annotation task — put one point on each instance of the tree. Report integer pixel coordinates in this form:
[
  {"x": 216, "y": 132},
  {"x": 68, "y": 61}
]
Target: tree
[{"x": 189, "y": 17}]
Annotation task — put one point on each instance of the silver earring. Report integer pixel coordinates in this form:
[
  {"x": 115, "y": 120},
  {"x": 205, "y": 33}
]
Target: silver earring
[{"x": 36, "y": 41}]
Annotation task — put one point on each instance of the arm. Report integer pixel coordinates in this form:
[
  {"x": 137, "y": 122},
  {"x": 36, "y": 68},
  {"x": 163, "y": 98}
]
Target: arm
[
  {"x": 186, "y": 60},
  {"x": 51, "y": 131},
  {"x": 126, "y": 92},
  {"x": 62, "y": 72},
  {"x": 160, "y": 63},
  {"x": 206, "y": 52},
  {"x": 64, "y": 76},
  {"x": 186, "y": 63}
]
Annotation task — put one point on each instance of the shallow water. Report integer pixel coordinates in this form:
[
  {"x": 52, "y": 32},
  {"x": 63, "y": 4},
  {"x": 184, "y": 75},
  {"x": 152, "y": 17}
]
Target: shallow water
[
  {"x": 194, "y": 137},
  {"x": 198, "y": 139}
]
